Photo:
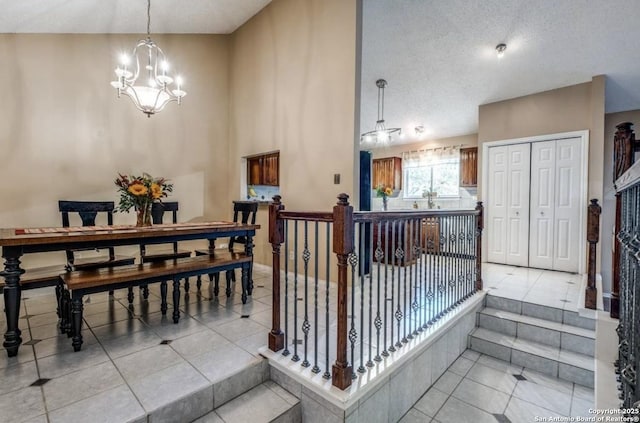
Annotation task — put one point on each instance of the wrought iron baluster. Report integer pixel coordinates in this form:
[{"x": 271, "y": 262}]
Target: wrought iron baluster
[
  {"x": 361, "y": 368},
  {"x": 392, "y": 252},
  {"x": 379, "y": 254},
  {"x": 306, "y": 326},
  {"x": 316, "y": 368},
  {"x": 369, "y": 233},
  {"x": 399, "y": 255},
  {"x": 286, "y": 352},
  {"x": 406, "y": 290},
  {"x": 417, "y": 299},
  {"x": 295, "y": 292},
  {"x": 385, "y": 352},
  {"x": 353, "y": 334},
  {"x": 327, "y": 373}
]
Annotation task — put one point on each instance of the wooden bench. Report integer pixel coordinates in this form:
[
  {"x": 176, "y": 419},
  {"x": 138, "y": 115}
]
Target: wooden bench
[{"x": 80, "y": 283}]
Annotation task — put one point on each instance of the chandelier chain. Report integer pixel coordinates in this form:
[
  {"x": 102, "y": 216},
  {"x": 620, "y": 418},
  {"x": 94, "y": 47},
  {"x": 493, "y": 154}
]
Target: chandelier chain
[{"x": 149, "y": 18}]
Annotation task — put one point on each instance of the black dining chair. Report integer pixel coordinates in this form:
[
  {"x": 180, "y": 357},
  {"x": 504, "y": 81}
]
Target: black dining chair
[
  {"x": 163, "y": 253},
  {"x": 243, "y": 212},
  {"x": 88, "y": 212}
]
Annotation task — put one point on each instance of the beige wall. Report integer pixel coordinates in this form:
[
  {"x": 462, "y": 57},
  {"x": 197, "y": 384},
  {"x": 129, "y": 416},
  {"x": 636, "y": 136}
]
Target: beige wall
[
  {"x": 293, "y": 90},
  {"x": 572, "y": 108},
  {"x": 65, "y": 134}
]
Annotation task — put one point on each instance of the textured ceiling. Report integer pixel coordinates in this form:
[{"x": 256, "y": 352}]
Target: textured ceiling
[
  {"x": 126, "y": 16},
  {"x": 440, "y": 62}
]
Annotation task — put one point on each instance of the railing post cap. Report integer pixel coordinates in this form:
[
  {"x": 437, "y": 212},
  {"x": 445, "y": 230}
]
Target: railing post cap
[
  {"x": 594, "y": 201},
  {"x": 277, "y": 198},
  {"x": 343, "y": 199}
]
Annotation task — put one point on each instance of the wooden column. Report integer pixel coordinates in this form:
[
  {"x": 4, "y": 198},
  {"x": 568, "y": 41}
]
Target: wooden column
[
  {"x": 593, "y": 236},
  {"x": 342, "y": 247},
  {"x": 624, "y": 146},
  {"x": 479, "y": 228},
  {"x": 276, "y": 237}
]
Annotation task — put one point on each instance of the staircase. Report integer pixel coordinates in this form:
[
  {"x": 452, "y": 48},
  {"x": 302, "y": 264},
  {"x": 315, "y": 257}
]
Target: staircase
[
  {"x": 245, "y": 398},
  {"x": 553, "y": 341}
]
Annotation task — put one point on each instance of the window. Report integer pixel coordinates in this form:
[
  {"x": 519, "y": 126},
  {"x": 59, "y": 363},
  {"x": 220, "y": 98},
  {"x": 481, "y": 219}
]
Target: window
[{"x": 426, "y": 171}]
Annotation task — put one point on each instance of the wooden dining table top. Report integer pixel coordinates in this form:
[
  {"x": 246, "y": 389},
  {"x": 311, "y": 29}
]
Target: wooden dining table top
[{"x": 55, "y": 235}]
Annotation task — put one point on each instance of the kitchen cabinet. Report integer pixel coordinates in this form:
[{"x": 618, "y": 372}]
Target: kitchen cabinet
[
  {"x": 264, "y": 169},
  {"x": 469, "y": 167},
  {"x": 387, "y": 172}
]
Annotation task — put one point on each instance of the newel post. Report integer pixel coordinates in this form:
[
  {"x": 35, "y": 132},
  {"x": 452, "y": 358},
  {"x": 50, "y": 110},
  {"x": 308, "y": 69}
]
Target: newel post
[
  {"x": 342, "y": 247},
  {"x": 276, "y": 237},
  {"x": 593, "y": 236},
  {"x": 479, "y": 228}
]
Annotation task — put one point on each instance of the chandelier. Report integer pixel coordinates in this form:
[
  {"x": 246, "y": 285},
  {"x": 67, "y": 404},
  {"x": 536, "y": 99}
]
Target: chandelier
[
  {"x": 147, "y": 83},
  {"x": 381, "y": 134}
]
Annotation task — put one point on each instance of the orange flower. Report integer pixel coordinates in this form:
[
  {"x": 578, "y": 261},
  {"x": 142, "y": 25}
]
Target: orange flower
[
  {"x": 388, "y": 191},
  {"x": 156, "y": 191},
  {"x": 137, "y": 189}
]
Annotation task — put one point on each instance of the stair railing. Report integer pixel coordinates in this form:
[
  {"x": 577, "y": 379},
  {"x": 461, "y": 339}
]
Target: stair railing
[
  {"x": 628, "y": 236},
  {"x": 358, "y": 286}
]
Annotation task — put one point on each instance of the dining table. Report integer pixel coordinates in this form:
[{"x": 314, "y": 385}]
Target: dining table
[{"x": 16, "y": 242}]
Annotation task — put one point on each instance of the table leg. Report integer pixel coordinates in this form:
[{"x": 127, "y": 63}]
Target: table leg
[
  {"x": 248, "y": 250},
  {"x": 246, "y": 271},
  {"x": 12, "y": 296},
  {"x": 176, "y": 300},
  {"x": 76, "y": 321},
  {"x": 163, "y": 297}
]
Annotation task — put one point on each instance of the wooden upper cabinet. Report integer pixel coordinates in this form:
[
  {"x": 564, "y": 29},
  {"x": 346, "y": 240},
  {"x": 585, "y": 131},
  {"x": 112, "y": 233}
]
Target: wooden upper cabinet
[
  {"x": 387, "y": 172},
  {"x": 264, "y": 169},
  {"x": 469, "y": 167}
]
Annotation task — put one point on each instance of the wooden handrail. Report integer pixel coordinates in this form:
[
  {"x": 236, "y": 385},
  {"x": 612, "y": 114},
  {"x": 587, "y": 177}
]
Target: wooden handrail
[
  {"x": 593, "y": 236},
  {"x": 306, "y": 216}
]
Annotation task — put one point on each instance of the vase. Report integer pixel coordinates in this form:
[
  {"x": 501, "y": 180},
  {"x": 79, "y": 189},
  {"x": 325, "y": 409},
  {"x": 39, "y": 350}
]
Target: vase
[
  {"x": 385, "y": 203},
  {"x": 143, "y": 216}
]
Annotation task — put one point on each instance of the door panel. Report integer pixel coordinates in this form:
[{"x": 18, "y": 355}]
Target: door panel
[
  {"x": 542, "y": 204},
  {"x": 519, "y": 161},
  {"x": 497, "y": 207},
  {"x": 568, "y": 208}
]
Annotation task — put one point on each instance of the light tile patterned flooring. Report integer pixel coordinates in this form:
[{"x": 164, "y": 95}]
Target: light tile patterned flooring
[{"x": 124, "y": 357}]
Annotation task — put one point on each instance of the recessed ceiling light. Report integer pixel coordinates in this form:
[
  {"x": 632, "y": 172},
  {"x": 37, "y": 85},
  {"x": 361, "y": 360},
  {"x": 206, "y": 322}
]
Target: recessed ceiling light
[{"x": 500, "y": 48}]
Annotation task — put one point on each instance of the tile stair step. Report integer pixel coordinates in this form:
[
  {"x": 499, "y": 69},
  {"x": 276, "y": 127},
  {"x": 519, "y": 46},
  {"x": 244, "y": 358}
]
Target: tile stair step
[
  {"x": 267, "y": 402},
  {"x": 567, "y": 337},
  {"x": 563, "y": 364},
  {"x": 539, "y": 311}
]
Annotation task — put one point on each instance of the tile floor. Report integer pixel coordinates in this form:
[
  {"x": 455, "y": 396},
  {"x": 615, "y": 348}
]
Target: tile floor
[
  {"x": 478, "y": 388},
  {"x": 544, "y": 287},
  {"x": 127, "y": 354}
]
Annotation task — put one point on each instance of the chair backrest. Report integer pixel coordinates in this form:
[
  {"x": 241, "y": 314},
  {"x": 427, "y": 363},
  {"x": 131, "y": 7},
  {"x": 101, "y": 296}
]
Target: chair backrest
[
  {"x": 243, "y": 212},
  {"x": 159, "y": 209},
  {"x": 88, "y": 211},
  {"x": 157, "y": 216},
  {"x": 246, "y": 211}
]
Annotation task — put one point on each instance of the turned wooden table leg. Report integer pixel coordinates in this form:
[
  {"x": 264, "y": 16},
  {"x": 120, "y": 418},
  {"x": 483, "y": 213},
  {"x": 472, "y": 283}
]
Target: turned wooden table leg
[{"x": 12, "y": 295}]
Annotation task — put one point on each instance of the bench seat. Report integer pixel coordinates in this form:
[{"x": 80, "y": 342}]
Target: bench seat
[{"x": 79, "y": 283}]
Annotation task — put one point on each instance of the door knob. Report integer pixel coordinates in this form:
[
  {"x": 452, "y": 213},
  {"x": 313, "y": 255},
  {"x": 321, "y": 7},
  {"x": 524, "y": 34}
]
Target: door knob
[
  {"x": 517, "y": 213},
  {"x": 541, "y": 213}
]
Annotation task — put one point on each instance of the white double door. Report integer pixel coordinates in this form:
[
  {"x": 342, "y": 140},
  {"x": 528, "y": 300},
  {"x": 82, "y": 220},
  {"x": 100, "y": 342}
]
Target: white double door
[{"x": 534, "y": 210}]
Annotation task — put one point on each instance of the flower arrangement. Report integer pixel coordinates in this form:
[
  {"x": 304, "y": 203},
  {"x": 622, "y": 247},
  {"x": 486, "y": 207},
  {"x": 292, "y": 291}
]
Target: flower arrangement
[
  {"x": 140, "y": 192},
  {"x": 384, "y": 192}
]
